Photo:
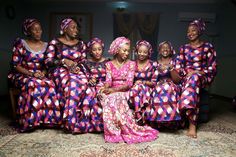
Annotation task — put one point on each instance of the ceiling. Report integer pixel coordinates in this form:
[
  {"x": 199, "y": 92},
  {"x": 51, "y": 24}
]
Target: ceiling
[{"x": 137, "y": 1}]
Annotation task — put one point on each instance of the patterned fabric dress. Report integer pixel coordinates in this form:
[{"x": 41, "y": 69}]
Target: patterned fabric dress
[
  {"x": 119, "y": 123},
  {"x": 140, "y": 94},
  {"x": 202, "y": 58},
  {"x": 95, "y": 70},
  {"x": 71, "y": 87},
  {"x": 37, "y": 103},
  {"x": 165, "y": 96}
]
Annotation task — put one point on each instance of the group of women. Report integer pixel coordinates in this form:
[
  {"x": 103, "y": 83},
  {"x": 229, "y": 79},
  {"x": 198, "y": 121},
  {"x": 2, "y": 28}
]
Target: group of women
[{"x": 69, "y": 84}]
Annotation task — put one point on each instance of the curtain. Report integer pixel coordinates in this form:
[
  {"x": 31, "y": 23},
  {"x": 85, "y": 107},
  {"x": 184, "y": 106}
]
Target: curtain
[{"x": 126, "y": 24}]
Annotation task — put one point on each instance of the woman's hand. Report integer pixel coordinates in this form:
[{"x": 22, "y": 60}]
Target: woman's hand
[
  {"x": 93, "y": 81},
  {"x": 74, "y": 69},
  {"x": 109, "y": 90},
  {"x": 138, "y": 82},
  {"x": 69, "y": 63},
  {"x": 148, "y": 83},
  {"x": 100, "y": 94},
  {"x": 39, "y": 74},
  {"x": 195, "y": 72}
]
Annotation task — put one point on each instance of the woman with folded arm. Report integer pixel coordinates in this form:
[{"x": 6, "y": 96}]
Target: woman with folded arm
[{"x": 38, "y": 103}]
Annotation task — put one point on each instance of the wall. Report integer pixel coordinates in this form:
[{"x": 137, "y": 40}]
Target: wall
[
  {"x": 169, "y": 29},
  {"x": 9, "y": 30},
  {"x": 225, "y": 82}
]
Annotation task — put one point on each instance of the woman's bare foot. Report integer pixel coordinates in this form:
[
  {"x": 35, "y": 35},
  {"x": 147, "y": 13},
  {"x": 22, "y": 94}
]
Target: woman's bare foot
[{"x": 192, "y": 131}]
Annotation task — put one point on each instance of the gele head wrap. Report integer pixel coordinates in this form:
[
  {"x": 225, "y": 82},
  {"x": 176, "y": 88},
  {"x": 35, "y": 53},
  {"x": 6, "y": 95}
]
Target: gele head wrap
[
  {"x": 145, "y": 43},
  {"x": 200, "y": 24},
  {"x": 93, "y": 41},
  {"x": 27, "y": 24},
  {"x": 118, "y": 42},
  {"x": 64, "y": 24}
]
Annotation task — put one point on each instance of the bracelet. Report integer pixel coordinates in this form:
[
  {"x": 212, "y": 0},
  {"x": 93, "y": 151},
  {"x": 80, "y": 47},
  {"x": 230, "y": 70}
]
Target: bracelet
[
  {"x": 63, "y": 61},
  {"x": 171, "y": 68}
]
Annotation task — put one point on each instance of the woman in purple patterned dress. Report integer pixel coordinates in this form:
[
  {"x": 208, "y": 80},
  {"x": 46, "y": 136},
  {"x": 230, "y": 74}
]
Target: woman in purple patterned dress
[
  {"x": 140, "y": 93},
  {"x": 64, "y": 58},
  {"x": 38, "y": 104},
  {"x": 164, "y": 109},
  {"x": 118, "y": 119},
  {"x": 96, "y": 73},
  {"x": 196, "y": 64}
]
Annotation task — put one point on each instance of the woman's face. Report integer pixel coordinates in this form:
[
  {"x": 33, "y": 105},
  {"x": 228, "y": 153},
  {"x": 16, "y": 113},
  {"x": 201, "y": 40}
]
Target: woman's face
[
  {"x": 165, "y": 50},
  {"x": 96, "y": 51},
  {"x": 72, "y": 30},
  {"x": 36, "y": 31},
  {"x": 123, "y": 51},
  {"x": 142, "y": 53},
  {"x": 192, "y": 33}
]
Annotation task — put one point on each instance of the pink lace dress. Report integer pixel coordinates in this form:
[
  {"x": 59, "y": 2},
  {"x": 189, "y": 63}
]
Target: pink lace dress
[{"x": 119, "y": 122}]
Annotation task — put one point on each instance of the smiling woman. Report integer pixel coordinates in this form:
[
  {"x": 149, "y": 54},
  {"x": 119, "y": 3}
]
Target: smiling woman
[{"x": 84, "y": 23}]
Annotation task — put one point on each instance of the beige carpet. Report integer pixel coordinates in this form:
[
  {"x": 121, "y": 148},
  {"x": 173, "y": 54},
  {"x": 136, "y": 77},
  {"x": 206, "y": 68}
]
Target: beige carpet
[{"x": 215, "y": 138}]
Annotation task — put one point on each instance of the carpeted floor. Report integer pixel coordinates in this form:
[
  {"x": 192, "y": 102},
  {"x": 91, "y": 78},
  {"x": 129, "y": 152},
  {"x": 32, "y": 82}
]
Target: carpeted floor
[{"x": 215, "y": 138}]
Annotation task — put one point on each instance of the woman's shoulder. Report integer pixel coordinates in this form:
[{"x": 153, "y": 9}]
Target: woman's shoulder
[
  {"x": 54, "y": 41},
  {"x": 183, "y": 46},
  {"x": 109, "y": 63},
  {"x": 153, "y": 62},
  {"x": 131, "y": 62},
  {"x": 17, "y": 42},
  {"x": 208, "y": 44}
]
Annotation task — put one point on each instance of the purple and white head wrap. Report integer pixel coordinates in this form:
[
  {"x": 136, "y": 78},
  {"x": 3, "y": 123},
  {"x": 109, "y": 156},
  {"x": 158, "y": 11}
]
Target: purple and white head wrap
[
  {"x": 172, "y": 51},
  {"x": 145, "y": 43},
  {"x": 93, "y": 41},
  {"x": 117, "y": 43},
  {"x": 27, "y": 24},
  {"x": 64, "y": 24},
  {"x": 200, "y": 24}
]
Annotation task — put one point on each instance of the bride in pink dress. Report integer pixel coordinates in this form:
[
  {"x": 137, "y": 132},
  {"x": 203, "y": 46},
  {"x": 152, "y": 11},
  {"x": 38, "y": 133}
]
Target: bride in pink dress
[{"x": 119, "y": 122}]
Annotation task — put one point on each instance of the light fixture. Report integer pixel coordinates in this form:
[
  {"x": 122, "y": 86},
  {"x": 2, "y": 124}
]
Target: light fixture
[{"x": 121, "y": 5}]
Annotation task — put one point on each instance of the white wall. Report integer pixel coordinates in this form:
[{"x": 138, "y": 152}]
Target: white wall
[{"x": 169, "y": 29}]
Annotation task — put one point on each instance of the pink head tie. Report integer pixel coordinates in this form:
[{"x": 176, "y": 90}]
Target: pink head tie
[
  {"x": 117, "y": 43},
  {"x": 145, "y": 43}
]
